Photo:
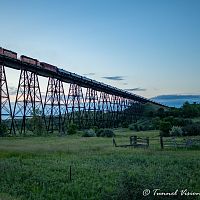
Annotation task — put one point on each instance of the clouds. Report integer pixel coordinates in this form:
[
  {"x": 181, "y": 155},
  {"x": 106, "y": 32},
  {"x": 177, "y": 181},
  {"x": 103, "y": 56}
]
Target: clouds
[
  {"x": 114, "y": 78},
  {"x": 136, "y": 89}
]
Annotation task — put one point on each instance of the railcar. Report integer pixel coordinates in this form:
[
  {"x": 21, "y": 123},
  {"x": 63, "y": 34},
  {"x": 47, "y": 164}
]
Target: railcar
[
  {"x": 49, "y": 67},
  {"x": 29, "y": 60},
  {"x": 103, "y": 84},
  {"x": 64, "y": 72},
  {"x": 85, "y": 78},
  {"x": 76, "y": 75},
  {"x": 8, "y": 53},
  {"x": 95, "y": 82}
]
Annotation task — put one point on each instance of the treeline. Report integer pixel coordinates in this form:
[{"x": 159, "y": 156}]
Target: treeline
[{"x": 172, "y": 121}]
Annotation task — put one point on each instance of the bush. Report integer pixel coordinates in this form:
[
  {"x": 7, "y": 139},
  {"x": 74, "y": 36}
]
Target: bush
[
  {"x": 95, "y": 128},
  {"x": 99, "y": 132},
  {"x": 3, "y": 129},
  {"x": 89, "y": 133},
  {"x": 161, "y": 112},
  {"x": 108, "y": 133},
  {"x": 164, "y": 128},
  {"x": 176, "y": 131},
  {"x": 72, "y": 129},
  {"x": 124, "y": 124},
  {"x": 181, "y": 122},
  {"x": 105, "y": 133},
  {"x": 156, "y": 122},
  {"x": 192, "y": 129}
]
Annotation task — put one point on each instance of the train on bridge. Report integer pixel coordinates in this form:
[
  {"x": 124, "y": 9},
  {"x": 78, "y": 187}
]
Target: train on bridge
[
  {"x": 102, "y": 104},
  {"x": 61, "y": 72},
  {"x": 46, "y": 66}
]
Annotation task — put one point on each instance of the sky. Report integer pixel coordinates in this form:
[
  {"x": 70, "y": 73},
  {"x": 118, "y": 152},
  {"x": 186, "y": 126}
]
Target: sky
[{"x": 150, "y": 47}]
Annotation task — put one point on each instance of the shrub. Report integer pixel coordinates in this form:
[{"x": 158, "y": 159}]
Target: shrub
[
  {"x": 124, "y": 124},
  {"x": 161, "y": 112},
  {"x": 136, "y": 127},
  {"x": 169, "y": 119},
  {"x": 156, "y": 122},
  {"x": 164, "y": 128},
  {"x": 3, "y": 129},
  {"x": 72, "y": 129},
  {"x": 192, "y": 129},
  {"x": 99, "y": 132},
  {"x": 105, "y": 133},
  {"x": 95, "y": 128},
  {"x": 89, "y": 133},
  {"x": 108, "y": 133},
  {"x": 176, "y": 131}
]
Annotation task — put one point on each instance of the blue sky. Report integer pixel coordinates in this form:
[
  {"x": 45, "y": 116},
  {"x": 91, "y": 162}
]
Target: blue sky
[{"x": 152, "y": 46}]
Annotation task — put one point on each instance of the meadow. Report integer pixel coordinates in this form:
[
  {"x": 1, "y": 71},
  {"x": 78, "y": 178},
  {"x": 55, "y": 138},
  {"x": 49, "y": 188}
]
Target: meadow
[{"x": 39, "y": 168}]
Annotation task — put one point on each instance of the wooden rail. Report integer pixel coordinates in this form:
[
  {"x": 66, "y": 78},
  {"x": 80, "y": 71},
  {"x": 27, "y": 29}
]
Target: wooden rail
[
  {"x": 134, "y": 142},
  {"x": 173, "y": 142}
]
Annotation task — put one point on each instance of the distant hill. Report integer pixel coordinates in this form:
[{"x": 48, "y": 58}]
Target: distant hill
[{"x": 176, "y": 100}]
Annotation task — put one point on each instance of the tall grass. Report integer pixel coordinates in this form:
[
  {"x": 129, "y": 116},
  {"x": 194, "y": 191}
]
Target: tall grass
[{"x": 39, "y": 168}]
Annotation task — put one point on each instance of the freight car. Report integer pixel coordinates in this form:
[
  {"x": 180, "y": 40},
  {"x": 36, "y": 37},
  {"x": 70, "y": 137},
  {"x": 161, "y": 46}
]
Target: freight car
[
  {"x": 8, "y": 53},
  {"x": 86, "y": 79},
  {"x": 63, "y": 72},
  {"x": 49, "y": 67},
  {"x": 29, "y": 60},
  {"x": 76, "y": 75}
]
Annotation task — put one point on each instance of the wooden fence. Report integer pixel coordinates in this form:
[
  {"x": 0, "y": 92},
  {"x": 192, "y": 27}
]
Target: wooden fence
[
  {"x": 172, "y": 142},
  {"x": 134, "y": 142},
  {"x": 176, "y": 142}
]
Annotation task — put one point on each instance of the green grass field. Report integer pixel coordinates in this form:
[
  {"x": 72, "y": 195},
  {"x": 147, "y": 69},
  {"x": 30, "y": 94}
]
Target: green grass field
[{"x": 39, "y": 168}]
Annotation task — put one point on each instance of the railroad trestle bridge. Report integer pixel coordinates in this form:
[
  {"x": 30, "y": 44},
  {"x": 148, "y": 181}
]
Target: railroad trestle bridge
[{"x": 100, "y": 105}]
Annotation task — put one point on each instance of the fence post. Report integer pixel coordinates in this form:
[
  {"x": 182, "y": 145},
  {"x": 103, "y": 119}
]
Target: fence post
[
  {"x": 70, "y": 172},
  {"x": 135, "y": 141},
  {"x": 147, "y": 141},
  {"x": 131, "y": 140},
  {"x": 114, "y": 142},
  {"x": 161, "y": 142}
]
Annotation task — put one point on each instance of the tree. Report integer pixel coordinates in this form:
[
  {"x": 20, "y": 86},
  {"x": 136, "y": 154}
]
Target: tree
[
  {"x": 190, "y": 110},
  {"x": 164, "y": 128},
  {"x": 3, "y": 129},
  {"x": 72, "y": 129},
  {"x": 36, "y": 123},
  {"x": 161, "y": 112}
]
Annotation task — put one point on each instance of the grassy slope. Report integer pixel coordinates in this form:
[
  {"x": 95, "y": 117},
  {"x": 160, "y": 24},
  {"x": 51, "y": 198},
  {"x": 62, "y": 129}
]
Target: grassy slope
[{"x": 38, "y": 168}]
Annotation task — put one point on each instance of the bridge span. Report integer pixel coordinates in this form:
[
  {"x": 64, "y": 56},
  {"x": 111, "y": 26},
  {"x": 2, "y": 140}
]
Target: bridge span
[{"x": 102, "y": 105}]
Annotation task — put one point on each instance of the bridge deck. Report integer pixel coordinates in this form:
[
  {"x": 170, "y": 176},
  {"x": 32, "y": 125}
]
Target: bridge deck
[{"x": 18, "y": 65}]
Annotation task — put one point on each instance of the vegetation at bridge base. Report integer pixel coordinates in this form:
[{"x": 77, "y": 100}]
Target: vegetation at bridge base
[
  {"x": 151, "y": 117},
  {"x": 89, "y": 133},
  {"x": 36, "y": 123},
  {"x": 72, "y": 129},
  {"x": 39, "y": 168},
  {"x": 3, "y": 129}
]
